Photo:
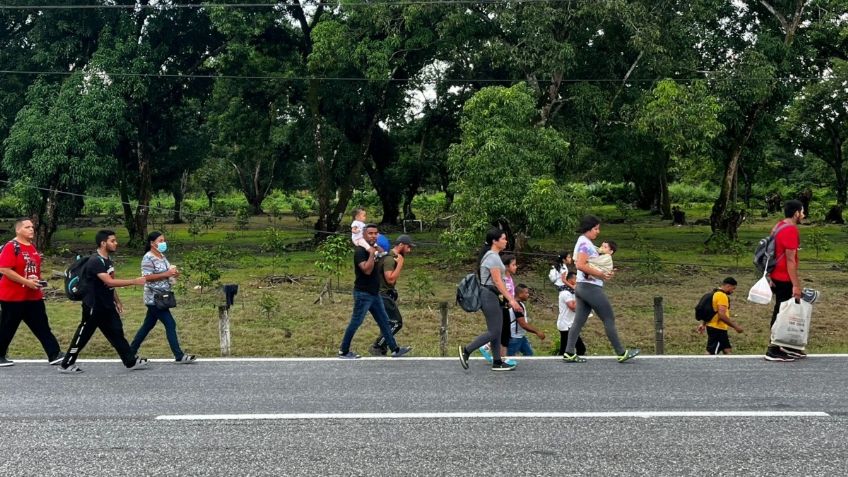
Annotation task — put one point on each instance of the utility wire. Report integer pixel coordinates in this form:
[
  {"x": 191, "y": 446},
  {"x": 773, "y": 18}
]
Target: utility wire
[
  {"x": 272, "y": 77},
  {"x": 165, "y": 6},
  {"x": 313, "y": 231}
]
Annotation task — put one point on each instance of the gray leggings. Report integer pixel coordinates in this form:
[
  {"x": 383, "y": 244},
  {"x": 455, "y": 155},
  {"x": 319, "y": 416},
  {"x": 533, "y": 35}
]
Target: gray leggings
[
  {"x": 494, "y": 321},
  {"x": 591, "y": 297}
]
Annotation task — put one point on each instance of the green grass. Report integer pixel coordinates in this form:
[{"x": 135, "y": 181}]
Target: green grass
[{"x": 304, "y": 329}]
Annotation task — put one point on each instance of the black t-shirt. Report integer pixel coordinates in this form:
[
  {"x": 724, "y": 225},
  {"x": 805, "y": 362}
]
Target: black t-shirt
[
  {"x": 364, "y": 282},
  {"x": 97, "y": 295}
]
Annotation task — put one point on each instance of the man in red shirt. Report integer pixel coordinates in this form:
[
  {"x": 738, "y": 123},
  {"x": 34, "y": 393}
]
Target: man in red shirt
[
  {"x": 20, "y": 294},
  {"x": 784, "y": 278}
]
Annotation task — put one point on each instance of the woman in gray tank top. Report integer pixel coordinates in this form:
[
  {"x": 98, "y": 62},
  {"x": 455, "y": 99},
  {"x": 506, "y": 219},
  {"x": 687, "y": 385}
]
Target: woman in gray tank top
[{"x": 493, "y": 289}]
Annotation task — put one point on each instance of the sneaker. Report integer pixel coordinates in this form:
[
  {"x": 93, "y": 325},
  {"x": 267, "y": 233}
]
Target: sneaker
[
  {"x": 187, "y": 359},
  {"x": 401, "y": 351},
  {"x": 58, "y": 359},
  {"x": 573, "y": 358},
  {"x": 502, "y": 366},
  {"x": 778, "y": 355},
  {"x": 486, "y": 354},
  {"x": 72, "y": 369},
  {"x": 140, "y": 363},
  {"x": 793, "y": 353},
  {"x": 348, "y": 355},
  {"x": 463, "y": 357},
  {"x": 376, "y": 351},
  {"x": 5, "y": 362},
  {"x": 629, "y": 354},
  {"x": 511, "y": 362}
]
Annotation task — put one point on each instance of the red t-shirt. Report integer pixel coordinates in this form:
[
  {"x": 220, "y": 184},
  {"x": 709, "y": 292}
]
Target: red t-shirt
[
  {"x": 787, "y": 238},
  {"x": 26, "y": 263}
]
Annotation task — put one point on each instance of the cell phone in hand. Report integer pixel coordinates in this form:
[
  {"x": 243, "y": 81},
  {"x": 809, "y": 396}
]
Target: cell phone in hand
[{"x": 42, "y": 283}]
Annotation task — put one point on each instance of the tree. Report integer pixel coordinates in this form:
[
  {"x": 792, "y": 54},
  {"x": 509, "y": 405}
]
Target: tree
[
  {"x": 683, "y": 120},
  {"x": 817, "y": 122},
  {"x": 61, "y": 140},
  {"x": 502, "y": 168}
]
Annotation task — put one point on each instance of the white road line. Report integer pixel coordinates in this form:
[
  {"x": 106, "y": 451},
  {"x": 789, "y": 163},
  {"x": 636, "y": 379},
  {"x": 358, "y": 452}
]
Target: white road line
[
  {"x": 484, "y": 415},
  {"x": 424, "y": 358}
]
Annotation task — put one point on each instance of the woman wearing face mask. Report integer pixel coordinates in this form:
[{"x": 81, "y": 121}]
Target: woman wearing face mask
[{"x": 159, "y": 274}]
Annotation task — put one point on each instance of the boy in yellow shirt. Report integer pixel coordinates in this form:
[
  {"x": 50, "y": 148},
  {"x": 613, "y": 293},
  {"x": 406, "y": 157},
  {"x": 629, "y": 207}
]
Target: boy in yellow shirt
[{"x": 717, "y": 336}]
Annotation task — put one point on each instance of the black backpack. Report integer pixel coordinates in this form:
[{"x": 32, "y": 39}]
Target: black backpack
[
  {"x": 75, "y": 286},
  {"x": 468, "y": 293},
  {"x": 764, "y": 259},
  {"x": 704, "y": 309}
]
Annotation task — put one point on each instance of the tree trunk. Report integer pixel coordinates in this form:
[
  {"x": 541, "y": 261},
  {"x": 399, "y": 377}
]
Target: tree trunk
[
  {"x": 145, "y": 193},
  {"x": 47, "y": 218},
  {"x": 723, "y": 218},
  {"x": 179, "y": 195}
]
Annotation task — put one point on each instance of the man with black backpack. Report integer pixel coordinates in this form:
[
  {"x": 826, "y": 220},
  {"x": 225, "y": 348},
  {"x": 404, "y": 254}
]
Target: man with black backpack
[
  {"x": 717, "y": 325},
  {"x": 101, "y": 307},
  {"x": 784, "y": 277},
  {"x": 21, "y": 298}
]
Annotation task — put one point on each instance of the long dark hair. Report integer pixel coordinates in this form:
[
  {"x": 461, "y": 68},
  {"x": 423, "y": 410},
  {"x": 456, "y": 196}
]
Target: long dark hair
[
  {"x": 588, "y": 223},
  {"x": 492, "y": 236},
  {"x": 558, "y": 265},
  {"x": 151, "y": 237}
]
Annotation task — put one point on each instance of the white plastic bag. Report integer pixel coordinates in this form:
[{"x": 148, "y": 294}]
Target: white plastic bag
[
  {"x": 760, "y": 293},
  {"x": 792, "y": 326}
]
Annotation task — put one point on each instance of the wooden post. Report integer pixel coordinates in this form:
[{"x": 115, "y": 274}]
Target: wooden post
[
  {"x": 224, "y": 328},
  {"x": 443, "y": 330},
  {"x": 658, "y": 325}
]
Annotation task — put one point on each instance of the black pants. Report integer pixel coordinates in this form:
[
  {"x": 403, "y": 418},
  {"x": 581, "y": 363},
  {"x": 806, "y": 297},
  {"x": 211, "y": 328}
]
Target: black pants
[
  {"x": 109, "y": 322},
  {"x": 395, "y": 320},
  {"x": 782, "y": 292},
  {"x": 34, "y": 314},
  {"x": 580, "y": 348}
]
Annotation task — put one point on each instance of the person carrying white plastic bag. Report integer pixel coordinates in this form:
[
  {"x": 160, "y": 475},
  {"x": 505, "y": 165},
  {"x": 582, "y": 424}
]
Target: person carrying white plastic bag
[{"x": 792, "y": 326}]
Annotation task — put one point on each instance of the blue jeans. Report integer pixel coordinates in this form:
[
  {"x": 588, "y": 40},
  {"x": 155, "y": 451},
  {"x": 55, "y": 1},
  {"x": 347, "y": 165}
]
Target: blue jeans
[
  {"x": 519, "y": 345},
  {"x": 363, "y": 302},
  {"x": 153, "y": 315}
]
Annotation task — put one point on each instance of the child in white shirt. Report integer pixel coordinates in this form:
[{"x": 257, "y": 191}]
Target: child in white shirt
[{"x": 567, "y": 307}]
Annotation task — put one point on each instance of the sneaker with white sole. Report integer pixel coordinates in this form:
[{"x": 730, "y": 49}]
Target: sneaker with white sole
[
  {"x": 401, "y": 351},
  {"x": 487, "y": 355},
  {"x": 140, "y": 363},
  {"x": 6, "y": 362},
  {"x": 502, "y": 366},
  {"x": 778, "y": 355},
  {"x": 795, "y": 353},
  {"x": 72, "y": 369},
  {"x": 187, "y": 359},
  {"x": 573, "y": 358},
  {"x": 463, "y": 357},
  {"x": 628, "y": 355},
  {"x": 348, "y": 355},
  {"x": 58, "y": 359}
]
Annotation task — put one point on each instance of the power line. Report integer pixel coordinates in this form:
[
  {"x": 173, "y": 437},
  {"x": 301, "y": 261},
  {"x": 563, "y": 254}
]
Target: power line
[
  {"x": 165, "y": 6},
  {"x": 313, "y": 231},
  {"x": 272, "y": 77}
]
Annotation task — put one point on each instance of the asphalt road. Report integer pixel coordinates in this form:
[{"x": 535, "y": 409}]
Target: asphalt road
[{"x": 109, "y": 421}]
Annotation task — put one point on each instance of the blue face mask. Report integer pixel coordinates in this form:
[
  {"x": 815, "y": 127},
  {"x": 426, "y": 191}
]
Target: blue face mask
[{"x": 162, "y": 247}]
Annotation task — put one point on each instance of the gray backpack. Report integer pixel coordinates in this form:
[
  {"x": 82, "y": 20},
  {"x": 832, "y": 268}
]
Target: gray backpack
[
  {"x": 764, "y": 259},
  {"x": 468, "y": 293}
]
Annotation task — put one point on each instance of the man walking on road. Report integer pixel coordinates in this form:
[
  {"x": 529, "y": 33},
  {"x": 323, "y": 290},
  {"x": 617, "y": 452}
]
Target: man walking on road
[
  {"x": 21, "y": 298},
  {"x": 389, "y": 268},
  {"x": 101, "y": 307},
  {"x": 366, "y": 297},
  {"x": 784, "y": 278}
]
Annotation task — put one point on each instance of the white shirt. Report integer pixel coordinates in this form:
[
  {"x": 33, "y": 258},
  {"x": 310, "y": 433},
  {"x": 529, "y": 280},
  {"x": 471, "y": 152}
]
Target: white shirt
[
  {"x": 516, "y": 331},
  {"x": 585, "y": 245},
  {"x": 566, "y": 315}
]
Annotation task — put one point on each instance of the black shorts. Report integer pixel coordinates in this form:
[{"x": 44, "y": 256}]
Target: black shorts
[{"x": 717, "y": 340}]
